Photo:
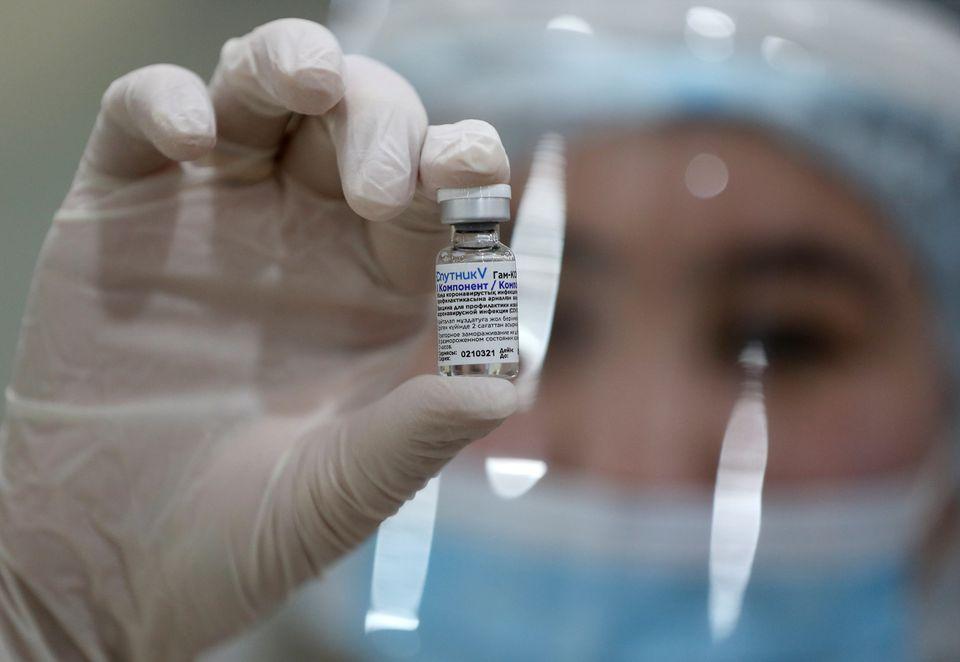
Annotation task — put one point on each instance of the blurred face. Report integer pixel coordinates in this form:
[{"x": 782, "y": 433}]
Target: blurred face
[{"x": 675, "y": 261}]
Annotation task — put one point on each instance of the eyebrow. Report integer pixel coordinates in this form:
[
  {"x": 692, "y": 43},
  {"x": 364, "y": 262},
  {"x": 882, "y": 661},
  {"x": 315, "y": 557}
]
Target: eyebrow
[{"x": 802, "y": 257}]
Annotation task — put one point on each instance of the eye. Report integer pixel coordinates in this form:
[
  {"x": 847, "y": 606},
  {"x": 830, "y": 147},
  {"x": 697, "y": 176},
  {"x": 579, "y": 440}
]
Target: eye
[{"x": 789, "y": 344}]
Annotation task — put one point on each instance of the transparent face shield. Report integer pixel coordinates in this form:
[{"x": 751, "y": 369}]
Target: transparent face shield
[{"x": 736, "y": 436}]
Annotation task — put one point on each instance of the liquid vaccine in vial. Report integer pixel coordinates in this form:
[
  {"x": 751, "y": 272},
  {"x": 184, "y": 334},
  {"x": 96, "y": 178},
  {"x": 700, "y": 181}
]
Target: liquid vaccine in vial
[{"x": 477, "y": 328}]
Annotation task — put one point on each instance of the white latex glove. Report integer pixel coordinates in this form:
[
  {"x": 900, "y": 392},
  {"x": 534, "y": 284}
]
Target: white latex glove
[{"x": 205, "y": 409}]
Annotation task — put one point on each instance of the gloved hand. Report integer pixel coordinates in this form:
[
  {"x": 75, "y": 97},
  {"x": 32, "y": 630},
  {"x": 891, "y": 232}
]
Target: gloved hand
[{"x": 205, "y": 409}]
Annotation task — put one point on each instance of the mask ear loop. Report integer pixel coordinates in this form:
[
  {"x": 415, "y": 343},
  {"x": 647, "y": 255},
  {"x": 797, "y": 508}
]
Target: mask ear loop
[
  {"x": 537, "y": 242},
  {"x": 737, "y": 497}
]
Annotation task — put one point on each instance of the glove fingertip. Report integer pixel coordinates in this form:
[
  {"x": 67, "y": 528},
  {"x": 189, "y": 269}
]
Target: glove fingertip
[
  {"x": 312, "y": 90},
  {"x": 468, "y": 153},
  {"x": 185, "y": 144}
]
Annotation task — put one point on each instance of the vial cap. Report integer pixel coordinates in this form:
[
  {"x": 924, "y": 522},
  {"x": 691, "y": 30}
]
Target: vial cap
[
  {"x": 492, "y": 191},
  {"x": 477, "y": 204}
]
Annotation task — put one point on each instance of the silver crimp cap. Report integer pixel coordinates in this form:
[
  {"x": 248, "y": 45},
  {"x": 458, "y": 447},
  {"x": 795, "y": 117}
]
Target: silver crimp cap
[{"x": 477, "y": 204}]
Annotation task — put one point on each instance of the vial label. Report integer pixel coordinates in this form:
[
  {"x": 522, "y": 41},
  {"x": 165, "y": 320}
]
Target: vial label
[{"x": 477, "y": 313}]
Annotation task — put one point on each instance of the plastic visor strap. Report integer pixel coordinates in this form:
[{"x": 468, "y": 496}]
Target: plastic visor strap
[
  {"x": 400, "y": 563},
  {"x": 737, "y": 498},
  {"x": 537, "y": 243}
]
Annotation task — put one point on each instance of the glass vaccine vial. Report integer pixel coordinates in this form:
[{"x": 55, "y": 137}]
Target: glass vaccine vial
[{"x": 477, "y": 324}]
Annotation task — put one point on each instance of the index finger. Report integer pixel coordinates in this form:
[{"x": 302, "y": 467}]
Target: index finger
[{"x": 283, "y": 67}]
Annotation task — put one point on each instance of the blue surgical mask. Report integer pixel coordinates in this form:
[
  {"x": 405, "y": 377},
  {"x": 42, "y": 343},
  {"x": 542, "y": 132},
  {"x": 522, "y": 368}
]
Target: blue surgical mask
[
  {"x": 578, "y": 571},
  {"x": 486, "y": 602}
]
